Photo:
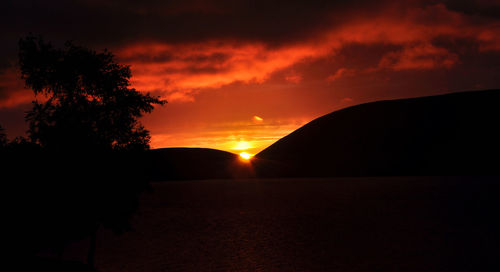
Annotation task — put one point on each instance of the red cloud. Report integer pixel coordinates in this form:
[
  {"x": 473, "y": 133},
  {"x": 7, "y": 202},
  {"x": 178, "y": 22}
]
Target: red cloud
[
  {"x": 340, "y": 73},
  {"x": 294, "y": 78},
  {"x": 423, "y": 56},
  {"x": 178, "y": 71},
  {"x": 12, "y": 91},
  {"x": 194, "y": 68}
]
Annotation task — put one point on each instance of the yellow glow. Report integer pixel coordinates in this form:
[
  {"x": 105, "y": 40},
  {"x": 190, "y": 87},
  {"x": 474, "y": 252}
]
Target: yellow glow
[
  {"x": 257, "y": 118},
  {"x": 242, "y": 145},
  {"x": 245, "y": 155},
  {"x": 243, "y": 137}
]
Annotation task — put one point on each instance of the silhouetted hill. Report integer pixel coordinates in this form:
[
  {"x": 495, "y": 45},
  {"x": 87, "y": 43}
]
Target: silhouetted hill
[
  {"x": 453, "y": 134},
  {"x": 196, "y": 163}
]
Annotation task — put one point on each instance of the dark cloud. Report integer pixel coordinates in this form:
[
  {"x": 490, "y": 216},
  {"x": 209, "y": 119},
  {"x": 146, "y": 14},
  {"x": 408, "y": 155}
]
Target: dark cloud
[
  {"x": 481, "y": 8},
  {"x": 110, "y": 23},
  {"x": 3, "y": 92}
]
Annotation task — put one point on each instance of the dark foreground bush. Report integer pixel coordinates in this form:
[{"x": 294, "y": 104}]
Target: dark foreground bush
[{"x": 55, "y": 198}]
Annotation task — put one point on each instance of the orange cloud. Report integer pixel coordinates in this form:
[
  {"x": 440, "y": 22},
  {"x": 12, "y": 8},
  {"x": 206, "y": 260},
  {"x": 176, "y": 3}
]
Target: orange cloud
[
  {"x": 177, "y": 71},
  {"x": 208, "y": 65}
]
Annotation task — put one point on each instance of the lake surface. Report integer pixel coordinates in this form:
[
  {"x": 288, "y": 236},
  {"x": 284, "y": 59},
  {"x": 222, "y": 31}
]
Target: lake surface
[{"x": 338, "y": 224}]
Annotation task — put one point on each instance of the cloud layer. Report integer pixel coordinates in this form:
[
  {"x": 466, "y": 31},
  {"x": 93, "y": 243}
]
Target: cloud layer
[
  {"x": 283, "y": 58},
  {"x": 180, "y": 70}
]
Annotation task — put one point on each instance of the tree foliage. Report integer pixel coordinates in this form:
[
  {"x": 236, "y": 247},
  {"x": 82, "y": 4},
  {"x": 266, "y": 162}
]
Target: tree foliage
[
  {"x": 86, "y": 99},
  {"x": 83, "y": 166}
]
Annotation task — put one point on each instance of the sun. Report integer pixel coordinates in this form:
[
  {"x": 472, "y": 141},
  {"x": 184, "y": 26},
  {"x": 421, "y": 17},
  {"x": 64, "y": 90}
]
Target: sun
[{"x": 245, "y": 155}]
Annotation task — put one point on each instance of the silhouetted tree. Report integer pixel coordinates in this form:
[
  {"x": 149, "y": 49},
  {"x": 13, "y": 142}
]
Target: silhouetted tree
[
  {"x": 88, "y": 168},
  {"x": 88, "y": 99}
]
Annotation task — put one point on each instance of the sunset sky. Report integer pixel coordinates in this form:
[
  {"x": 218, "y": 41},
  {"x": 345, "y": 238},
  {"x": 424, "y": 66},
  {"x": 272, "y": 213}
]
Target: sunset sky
[{"x": 239, "y": 75}]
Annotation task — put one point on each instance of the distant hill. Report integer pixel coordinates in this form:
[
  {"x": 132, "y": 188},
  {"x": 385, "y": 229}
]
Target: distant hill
[
  {"x": 452, "y": 134},
  {"x": 195, "y": 163}
]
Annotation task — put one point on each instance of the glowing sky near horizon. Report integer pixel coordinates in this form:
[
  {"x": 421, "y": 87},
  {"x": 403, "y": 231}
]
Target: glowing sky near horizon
[{"x": 240, "y": 75}]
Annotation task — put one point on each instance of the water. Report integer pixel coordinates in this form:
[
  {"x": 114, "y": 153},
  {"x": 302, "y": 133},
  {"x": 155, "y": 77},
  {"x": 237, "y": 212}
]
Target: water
[{"x": 340, "y": 224}]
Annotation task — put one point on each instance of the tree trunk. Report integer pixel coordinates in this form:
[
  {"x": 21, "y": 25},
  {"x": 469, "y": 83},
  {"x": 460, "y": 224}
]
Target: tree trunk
[{"x": 92, "y": 247}]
